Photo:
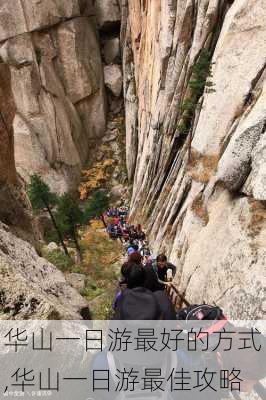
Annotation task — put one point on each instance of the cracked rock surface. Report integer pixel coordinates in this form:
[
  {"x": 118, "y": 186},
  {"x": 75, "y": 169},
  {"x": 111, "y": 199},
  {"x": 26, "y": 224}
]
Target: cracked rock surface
[
  {"x": 53, "y": 56},
  {"x": 202, "y": 193}
]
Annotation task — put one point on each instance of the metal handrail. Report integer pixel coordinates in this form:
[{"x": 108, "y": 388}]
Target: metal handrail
[{"x": 176, "y": 297}]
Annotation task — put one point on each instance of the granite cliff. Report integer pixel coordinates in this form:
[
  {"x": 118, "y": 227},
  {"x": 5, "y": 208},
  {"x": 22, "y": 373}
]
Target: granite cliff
[
  {"x": 194, "y": 89},
  {"x": 197, "y": 163}
]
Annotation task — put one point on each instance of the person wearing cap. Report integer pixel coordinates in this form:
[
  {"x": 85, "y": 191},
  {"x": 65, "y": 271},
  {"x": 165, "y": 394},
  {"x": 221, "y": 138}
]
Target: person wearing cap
[{"x": 130, "y": 250}]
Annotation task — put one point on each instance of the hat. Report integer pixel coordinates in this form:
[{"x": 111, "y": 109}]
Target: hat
[{"x": 130, "y": 250}]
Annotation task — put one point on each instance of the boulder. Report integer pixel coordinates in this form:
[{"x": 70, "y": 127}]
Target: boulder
[
  {"x": 31, "y": 287},
  {"x": 113, "y": 79},
  {"x": 52, "y": 246},
  {"x": 79, "y": 58},
  {"x": 115, "y": 104},
  {"x": 118, "y": 191},
  {"x": 110, "y": 136},
  {"x": 111, "y": 50},
  {"x": 107, "y": 13},
  {"x": 18, "y": 16},
  {"x": 111, "y": 125},
  {"x": 77, "y": 281}
]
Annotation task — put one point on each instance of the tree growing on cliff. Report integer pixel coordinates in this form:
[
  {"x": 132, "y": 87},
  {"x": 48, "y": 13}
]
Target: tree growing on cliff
[
  {"x": 42, "y": 198},
  {"x": 96, "y": 206},
  {"x": 68, "y": 217},
  {"x": 200, "y": 81}
]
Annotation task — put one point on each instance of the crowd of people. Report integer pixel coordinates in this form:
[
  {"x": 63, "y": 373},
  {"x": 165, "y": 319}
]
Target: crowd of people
[
  {"x": 119, "y": 228},
  {"x": 141, "y": 295},
  {"x": 143, "y": 277}
]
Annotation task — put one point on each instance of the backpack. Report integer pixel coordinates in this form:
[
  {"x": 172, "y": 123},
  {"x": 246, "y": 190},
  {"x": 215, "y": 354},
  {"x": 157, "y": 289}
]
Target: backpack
[
  {"x": 203, "y": 312},
  {"x": 201, "y": 360},
  {"x": 138, "y": 304},
  {"x": 200, "y": 312}
]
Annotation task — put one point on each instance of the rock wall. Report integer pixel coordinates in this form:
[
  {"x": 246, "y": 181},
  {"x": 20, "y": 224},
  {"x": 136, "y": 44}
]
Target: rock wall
[
  {"x": 31, "y": 287},
  {"x": 14, "y": 206},
  {"x": 51, "y": 49},
  {"x": 201, "y": 191},
  {"x": 52, "y": 114}
]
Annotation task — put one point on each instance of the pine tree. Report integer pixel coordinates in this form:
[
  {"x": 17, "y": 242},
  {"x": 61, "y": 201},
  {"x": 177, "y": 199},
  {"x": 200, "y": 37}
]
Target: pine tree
[
  {"x": 200, "y": 81},
  {"x": 68, "y": 217},
  {"x": 96, "y": 206},
  {"x": 42, "y": 198}
]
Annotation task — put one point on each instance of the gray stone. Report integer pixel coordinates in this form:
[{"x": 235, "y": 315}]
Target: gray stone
[
  {"x": 20, "y": 16},
  {"x": 107, "y": 13},
  {"x": 77, "y": 281},
  {"x": 116, "y": 104},
  {"x": 113, "y": 79},
  {"x": 110, "y": 136},
  {"x": 111, "y": 50},
  {"x": 52, "y": 246},
  {"x": 118, "y": 191}
]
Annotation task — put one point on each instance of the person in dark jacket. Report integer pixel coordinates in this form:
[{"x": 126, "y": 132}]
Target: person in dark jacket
[
  {"x": 134, "y": 257},
  {"x": 156, "y": 273},
  {"x": 138, "y": 303},
  {"x": 140, "y": 234}
]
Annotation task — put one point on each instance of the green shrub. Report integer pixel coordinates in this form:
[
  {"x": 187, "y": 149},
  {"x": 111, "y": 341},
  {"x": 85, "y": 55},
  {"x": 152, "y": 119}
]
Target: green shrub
[
  {"x": 91, "y": 290},
  {"x": 96, "y": 205},
  {"x": 59, "y": 259},
  {"x": 42, "y": 198},
  {"x": 50, "y": 235},
  {"x": 200, "y": 79}
]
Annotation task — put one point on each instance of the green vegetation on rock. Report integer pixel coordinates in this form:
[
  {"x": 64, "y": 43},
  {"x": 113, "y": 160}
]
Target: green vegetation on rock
[{"x": 200, "y": 79}]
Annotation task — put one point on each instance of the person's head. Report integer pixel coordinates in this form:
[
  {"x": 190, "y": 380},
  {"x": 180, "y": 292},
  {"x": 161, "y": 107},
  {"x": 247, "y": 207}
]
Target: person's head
[
  {"x": 130, "y": 251},
  {"x": 161, "y": 260},
  {"x": 135, "y": 258},
  {"x": 136, "y": 276}
]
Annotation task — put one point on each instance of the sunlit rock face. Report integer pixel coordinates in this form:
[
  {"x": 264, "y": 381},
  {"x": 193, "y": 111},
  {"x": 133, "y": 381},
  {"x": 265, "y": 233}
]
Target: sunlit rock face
[
  {"x": 14, "y": 205},
  {"x": 52, "y": 53},
  {"x": 202, "y": 193}
]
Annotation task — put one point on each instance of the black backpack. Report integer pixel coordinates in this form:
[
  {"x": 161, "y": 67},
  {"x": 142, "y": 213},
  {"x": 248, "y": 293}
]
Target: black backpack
[
  {"x": 138, "y": 304},
  {"x": 212, "y": 316},
  {"x": 200, "y": 312}
]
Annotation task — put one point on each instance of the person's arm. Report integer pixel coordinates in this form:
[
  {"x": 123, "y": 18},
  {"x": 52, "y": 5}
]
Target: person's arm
[
  {"x": 172, "y": 267},
  {"x": 160, "y": 281}
]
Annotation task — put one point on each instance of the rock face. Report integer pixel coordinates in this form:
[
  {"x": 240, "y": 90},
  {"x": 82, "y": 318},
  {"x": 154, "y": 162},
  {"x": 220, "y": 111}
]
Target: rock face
[
  {"x": 112, "y": 50},
  {"x": 108, "y": 14},
  {"x": 113, "y": 79},
  {"x": 199, "y": 179},
  {"x": 14, "y": 206},
  {"x": 52, "y": 103},
  {"x": 31, "y": 287},
  {"x": 53, "y": 57},
  {"x": 77, "y": 281}
]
